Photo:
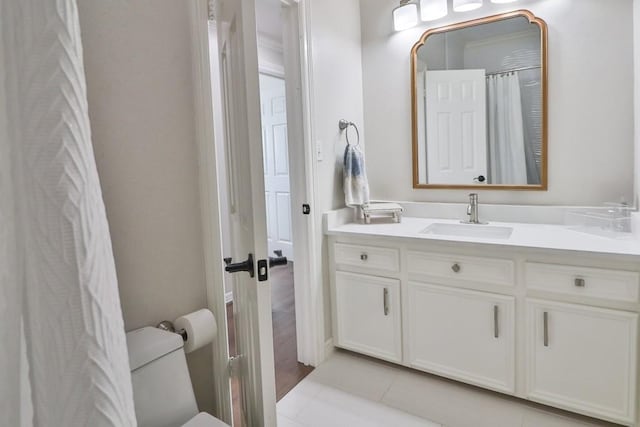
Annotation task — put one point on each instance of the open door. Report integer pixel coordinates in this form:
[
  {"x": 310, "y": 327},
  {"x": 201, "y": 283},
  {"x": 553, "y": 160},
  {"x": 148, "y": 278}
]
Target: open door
[
  {"x": 251, "y": 289},
  {"x": 276, "y": 161}
]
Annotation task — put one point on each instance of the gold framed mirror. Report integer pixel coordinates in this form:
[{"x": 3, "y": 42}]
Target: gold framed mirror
[{"x": 479, "y": 104}]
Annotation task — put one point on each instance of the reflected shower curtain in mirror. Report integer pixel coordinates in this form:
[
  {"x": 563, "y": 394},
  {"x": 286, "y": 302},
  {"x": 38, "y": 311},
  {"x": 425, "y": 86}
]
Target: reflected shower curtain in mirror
[
  {"x": 57, "y": 272},
  {"x": 507, "y": 162}
]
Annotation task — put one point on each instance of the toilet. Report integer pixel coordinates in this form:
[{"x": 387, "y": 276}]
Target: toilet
[{"x": 162, "y": 390}]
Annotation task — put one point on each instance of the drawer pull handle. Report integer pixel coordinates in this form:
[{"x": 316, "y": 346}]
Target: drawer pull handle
[
  {"x": 364, "y": 257},
  {"x": 496, "y": 328},
  {"x": 545, "y": 320},
  {"x": 456, "y": 267},
  {"x": 579, "y": 282},
  {"x": 385, "y": 301}
]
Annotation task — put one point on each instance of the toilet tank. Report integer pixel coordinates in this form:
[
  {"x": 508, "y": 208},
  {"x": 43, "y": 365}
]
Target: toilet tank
[{"x": 162, "y": 389}]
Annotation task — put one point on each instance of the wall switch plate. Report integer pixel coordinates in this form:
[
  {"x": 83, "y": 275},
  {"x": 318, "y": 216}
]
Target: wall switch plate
[{"x": 319, "y": 152}]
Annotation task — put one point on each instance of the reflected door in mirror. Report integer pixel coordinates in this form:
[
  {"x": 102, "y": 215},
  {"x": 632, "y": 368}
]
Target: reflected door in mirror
[{"x": 456, "y": 122}]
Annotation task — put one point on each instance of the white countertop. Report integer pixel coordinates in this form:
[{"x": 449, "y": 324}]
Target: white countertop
[{"x": 539, "y": 236}]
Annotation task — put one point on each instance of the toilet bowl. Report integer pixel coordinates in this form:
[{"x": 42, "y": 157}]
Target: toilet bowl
[{"x": 162, "y": 390}]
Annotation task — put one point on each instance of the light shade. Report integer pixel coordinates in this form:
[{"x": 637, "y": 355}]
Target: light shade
[
  {"x": 405, "y": 16},
  {"x": 466, "y": 5},
  {"x": 502, "y": 1},
  {"x": 430, "y": 10}
]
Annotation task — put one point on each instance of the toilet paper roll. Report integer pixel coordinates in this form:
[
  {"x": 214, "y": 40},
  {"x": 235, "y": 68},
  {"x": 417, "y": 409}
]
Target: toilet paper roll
[{"x": 201, "y": 329}]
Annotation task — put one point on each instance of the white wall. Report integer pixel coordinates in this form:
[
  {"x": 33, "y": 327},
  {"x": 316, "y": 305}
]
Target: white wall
[
  {"x": 336, "y": 87},
  {"x": 636, "y": 58},
  {"x": 590, "y": 102},
  {"x": 138, "y": 65}
]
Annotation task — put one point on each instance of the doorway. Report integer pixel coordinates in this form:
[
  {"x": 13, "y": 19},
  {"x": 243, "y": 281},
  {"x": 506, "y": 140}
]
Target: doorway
[{"x": 280, "y": 231}]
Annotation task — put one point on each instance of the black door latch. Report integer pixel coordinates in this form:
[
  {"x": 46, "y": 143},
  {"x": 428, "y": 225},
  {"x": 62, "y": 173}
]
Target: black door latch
[{"x": 240, "y": 266}]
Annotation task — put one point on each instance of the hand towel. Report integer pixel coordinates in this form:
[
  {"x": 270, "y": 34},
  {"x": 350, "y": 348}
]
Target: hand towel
[{"x": 356, "y": 186}]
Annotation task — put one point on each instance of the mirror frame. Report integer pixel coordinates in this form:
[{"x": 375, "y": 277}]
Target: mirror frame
[{"x": 544, "y": 87}]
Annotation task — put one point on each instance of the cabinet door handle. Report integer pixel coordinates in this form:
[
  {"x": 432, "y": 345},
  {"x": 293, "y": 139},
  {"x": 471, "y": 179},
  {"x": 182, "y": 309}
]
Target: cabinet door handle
[
  {"x": 579, "y": 282},
  {"x": 364, "y": 257},
  {"x": 496, "y": 328},
  {"x": 456, "y": 267},
  {"x": 545, "y": 321},
  {"x": 385, "y": 301}
]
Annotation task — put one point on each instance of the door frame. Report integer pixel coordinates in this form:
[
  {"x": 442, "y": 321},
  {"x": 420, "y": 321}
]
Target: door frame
[
  {"x": 308, "y": 281},
  {"x": 308, "y": 278}
]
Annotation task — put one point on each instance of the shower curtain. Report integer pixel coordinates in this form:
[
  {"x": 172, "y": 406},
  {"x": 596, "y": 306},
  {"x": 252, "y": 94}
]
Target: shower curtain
[
  {"x": 506, "y": 132},
  {"x": 57, "y": 273}
]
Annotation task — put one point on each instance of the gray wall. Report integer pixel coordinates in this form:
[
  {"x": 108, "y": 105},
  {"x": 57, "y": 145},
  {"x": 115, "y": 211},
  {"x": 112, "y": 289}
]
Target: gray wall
[
  {"x": 138, "y": 67},
  {"x": 590, "y": 102}
]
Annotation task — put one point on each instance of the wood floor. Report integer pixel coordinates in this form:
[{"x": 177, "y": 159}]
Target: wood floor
[{"x": 289, "y": 372}]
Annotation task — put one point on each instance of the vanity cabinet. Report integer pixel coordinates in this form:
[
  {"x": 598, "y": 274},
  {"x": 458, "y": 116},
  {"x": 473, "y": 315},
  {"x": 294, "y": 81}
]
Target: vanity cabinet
[
  {"x": 368, "y": 312},
  {"x": 551, "y": 326},
  {"x": 462, "y": 334},
  {"x": 582, "y": 358}
]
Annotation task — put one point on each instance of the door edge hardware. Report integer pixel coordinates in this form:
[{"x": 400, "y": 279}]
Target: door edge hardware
[
  {"x": 306, "y": 209},
  {"x": 263, "y": 271},
  {"x": 240, "y": 266},
  {"x": 233, "y": 365}
]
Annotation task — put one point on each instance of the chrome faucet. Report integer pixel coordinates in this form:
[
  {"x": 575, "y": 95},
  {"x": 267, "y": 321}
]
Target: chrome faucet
[{"x": 472, "y": 210}]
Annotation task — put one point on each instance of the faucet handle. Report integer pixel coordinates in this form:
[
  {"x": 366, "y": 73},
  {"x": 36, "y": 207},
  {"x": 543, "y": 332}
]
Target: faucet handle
[{"x": 469, "y": 209}]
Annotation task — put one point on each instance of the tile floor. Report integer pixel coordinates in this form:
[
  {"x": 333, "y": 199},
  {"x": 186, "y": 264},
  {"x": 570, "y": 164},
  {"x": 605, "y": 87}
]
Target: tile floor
[{"x": 352, "y": 391}]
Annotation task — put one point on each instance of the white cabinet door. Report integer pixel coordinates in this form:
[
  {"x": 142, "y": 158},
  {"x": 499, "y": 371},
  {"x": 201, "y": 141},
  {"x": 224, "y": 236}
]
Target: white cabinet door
[
  {"x": 368, "y": 315},
  {"x": 462, "y": 334},
  {"x": 582, "y": 358}
]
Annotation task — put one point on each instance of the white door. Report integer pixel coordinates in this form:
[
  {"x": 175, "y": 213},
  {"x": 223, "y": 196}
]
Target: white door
[
  {"x": 456, "y": 126},
  {"x": 251, "y": 294},
  {"x": 276, "y": 164},
  {"x": 462, "y": 334},
  {"x": 593, "y": 349}
]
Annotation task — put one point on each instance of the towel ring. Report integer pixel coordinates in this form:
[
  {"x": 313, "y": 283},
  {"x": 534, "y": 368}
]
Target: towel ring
[{"x": 344, "y": 126}]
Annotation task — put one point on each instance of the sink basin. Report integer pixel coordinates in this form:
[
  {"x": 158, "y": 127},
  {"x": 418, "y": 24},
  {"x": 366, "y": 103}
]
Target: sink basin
[{"x": 469, "y": 230}]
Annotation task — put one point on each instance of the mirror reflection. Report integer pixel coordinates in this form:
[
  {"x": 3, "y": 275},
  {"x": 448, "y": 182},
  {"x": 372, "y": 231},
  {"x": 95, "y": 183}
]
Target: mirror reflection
[{"x": 479, "y": 107}]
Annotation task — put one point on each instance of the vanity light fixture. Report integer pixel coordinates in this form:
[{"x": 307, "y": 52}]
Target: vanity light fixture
[
  {"x": 405, "y": 16},
  {"x": 430, "y": 10},
  {"x": 466, "y": 5}
]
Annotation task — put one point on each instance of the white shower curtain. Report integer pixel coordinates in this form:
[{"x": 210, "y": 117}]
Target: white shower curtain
[
  {"x": 506, "y": 132},
  {"x": 57, "y": 270}
]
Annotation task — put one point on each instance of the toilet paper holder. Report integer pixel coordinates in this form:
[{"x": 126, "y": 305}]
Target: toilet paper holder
[{"x": 167, "y": 325}]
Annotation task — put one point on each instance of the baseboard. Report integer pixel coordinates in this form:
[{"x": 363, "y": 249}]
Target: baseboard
[
  {"x": 228, "y": 297},
  {"x": 328, "y": 348}
]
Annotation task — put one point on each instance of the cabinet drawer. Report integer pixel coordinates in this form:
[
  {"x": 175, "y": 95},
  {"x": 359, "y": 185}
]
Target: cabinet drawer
[
  {"x": 378, "y": 258},
  {"x": 473, "y": 269},
  {"x": 584, "y": 281}
]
